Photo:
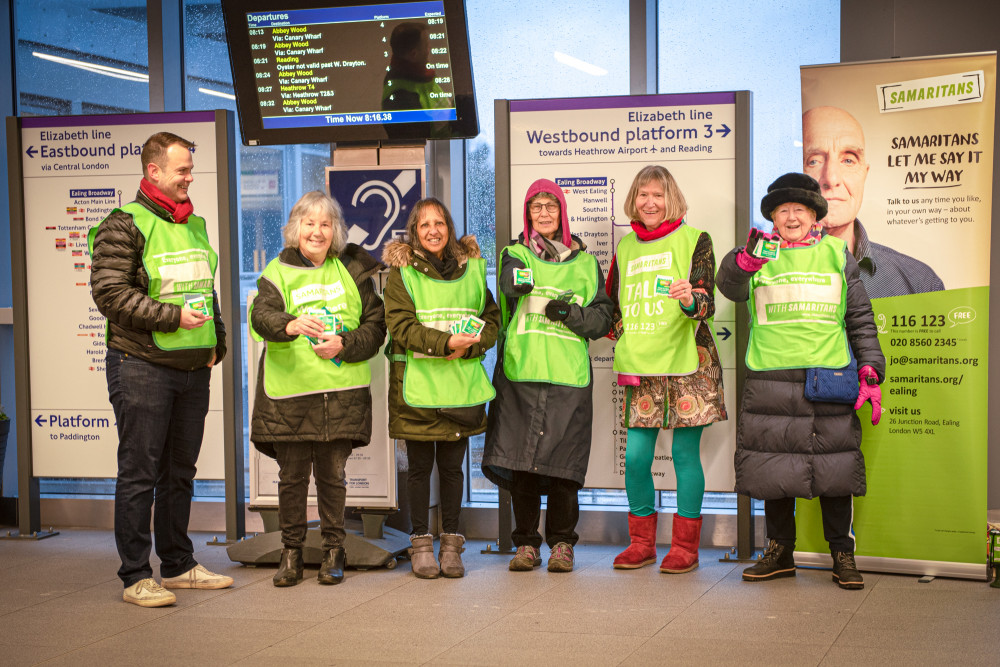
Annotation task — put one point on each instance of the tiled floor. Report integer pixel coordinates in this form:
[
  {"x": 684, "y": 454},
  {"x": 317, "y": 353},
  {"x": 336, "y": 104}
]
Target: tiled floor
[{"x": 60, "y": 604}]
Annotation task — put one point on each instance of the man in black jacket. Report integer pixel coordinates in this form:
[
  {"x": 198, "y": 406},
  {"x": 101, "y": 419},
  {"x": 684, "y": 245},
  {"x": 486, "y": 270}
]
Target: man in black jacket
[{"x": 157, "y": 290}]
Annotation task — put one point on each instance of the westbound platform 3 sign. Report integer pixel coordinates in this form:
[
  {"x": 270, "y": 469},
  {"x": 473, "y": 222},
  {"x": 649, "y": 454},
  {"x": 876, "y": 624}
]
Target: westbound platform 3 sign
[{"x": 593, "y": 148}]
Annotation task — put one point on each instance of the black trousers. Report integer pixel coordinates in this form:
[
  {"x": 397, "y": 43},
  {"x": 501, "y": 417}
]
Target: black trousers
[
  {"x": 838, "y": 512},
  {"x": 326, "y": 460},
  {"x": 450, "y": 457},
  {"x": 561, "y": 516}
]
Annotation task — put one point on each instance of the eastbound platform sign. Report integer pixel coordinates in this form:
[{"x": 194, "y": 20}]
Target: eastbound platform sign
[{"x": 76, "y": 170}]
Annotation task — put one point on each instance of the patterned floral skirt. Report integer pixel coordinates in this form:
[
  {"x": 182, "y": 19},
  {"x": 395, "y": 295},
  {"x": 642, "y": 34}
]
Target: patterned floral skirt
[{"x": 682, "y": 400}]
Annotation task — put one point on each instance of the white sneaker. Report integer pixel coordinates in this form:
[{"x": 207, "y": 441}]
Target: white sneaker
[
  {"x": 148, "y": 593},
  {"x": 198, "y": 577}
]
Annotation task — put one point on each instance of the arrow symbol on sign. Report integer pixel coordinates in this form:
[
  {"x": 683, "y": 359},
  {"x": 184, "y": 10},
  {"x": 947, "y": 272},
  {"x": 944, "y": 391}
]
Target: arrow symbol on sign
[
  {"x": 725, "y": 333},
  {"x": 39, "y": 420},
  {"x": 31, "y": 151},
  {"x": 724, "y": 131}
]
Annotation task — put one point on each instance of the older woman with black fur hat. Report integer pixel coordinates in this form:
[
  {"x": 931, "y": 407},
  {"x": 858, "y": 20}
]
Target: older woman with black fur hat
[
  {"x": 808, "y": 309},
  {"x": 438, "y": 388}
]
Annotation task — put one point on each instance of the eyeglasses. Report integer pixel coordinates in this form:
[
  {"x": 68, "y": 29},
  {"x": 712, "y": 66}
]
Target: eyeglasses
[{"x": 537, "y": 208}]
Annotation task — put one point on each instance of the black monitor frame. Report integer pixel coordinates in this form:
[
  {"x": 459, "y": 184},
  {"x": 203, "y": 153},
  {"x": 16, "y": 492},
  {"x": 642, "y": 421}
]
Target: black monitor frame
[{"x": 253, "y": 132}]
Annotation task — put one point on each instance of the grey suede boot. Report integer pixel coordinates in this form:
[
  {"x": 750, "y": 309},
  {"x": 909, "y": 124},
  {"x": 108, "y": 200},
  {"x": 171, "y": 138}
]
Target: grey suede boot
[
  {"x": 450, "y": 554},
  {"x": 422, "y": 557}
]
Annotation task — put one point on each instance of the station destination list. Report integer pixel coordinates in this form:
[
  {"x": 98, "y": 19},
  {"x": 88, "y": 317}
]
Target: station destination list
[{"x": 318, "y": 67}]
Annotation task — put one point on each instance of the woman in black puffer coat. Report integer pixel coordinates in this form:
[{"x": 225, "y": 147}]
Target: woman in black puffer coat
[{"x": 808, "y": 309}]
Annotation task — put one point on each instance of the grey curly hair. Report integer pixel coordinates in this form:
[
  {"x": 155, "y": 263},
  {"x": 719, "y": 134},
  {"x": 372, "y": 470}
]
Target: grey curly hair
[{"x": 316, "y": 202}]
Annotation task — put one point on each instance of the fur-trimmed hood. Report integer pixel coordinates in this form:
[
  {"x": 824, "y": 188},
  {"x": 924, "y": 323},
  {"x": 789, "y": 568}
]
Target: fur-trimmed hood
[{"x": 398, "y": 253}]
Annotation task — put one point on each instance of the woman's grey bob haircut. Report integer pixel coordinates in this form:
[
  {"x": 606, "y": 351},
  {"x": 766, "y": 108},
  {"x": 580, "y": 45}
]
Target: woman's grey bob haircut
[{"x": 309, "y": 204}]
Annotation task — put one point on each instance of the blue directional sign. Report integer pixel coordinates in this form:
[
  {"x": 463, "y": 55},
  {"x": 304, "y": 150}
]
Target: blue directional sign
[{"x": 376, "y": 200}]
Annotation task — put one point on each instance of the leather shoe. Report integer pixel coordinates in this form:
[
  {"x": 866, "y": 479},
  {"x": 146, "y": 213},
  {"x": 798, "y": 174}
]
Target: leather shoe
[
  {"x": 289, "y": 568},
  {"x": 332, "y": 570}
]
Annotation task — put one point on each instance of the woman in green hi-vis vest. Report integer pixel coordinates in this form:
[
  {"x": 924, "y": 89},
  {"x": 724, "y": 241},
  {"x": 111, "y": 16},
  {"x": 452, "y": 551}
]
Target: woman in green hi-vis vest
[
  {"x": 313, "y": 404},
  {"x": 662, "y": 281},
  {"x": 539, "y": 429},
  {"x": 438, "y": 388},
  {"x": 808, "y": 309}
]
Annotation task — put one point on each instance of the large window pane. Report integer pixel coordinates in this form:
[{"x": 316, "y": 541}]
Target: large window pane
[
  {"x": 545, "y": 49},
  {"x": 755, "y": 46},
  {"x": 81, "y": 57},
  {"x": 269, "y": 178}
]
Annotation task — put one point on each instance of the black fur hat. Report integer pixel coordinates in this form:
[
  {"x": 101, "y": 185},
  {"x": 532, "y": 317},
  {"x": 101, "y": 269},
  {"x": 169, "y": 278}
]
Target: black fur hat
[{"x": 793, "y": 187}]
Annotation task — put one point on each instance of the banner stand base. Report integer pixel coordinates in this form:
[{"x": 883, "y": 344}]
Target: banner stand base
[
  {"x": 363, "y": 553},
  {"x": 37, "y": 535}
]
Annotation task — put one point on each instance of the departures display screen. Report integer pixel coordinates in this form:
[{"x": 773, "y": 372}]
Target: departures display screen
[{"x": 389, "y": 66}]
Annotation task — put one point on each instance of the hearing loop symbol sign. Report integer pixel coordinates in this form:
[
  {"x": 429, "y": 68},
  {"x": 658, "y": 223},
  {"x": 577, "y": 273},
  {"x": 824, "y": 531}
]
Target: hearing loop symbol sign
[{"x": 376, "y": 202}]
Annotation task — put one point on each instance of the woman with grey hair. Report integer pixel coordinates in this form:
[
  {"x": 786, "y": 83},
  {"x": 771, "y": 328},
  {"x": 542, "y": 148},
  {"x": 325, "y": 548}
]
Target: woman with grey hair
[{"x": 321, "y": 320}]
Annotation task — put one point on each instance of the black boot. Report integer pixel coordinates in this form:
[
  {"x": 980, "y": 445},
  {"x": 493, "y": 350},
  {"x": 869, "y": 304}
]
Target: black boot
[
  {"x": 289, "y": 569},
  {"x": 332, "y": 570},
  {"x": 845, "y": 572},
  {"x": 776, "y": 562}
]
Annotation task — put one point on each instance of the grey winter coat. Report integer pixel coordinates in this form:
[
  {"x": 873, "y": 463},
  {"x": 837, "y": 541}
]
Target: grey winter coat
[
  {"x": 334, "y": 415},
  {"x": 786, "y": 446},
  {"x": 539, "y": 427}
]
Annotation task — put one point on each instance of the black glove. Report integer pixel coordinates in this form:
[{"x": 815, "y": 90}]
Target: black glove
[
  {"x": 753, "y": 239},
  {"x": 557, "y": 311},
  {"x": 523, "y": 288}
]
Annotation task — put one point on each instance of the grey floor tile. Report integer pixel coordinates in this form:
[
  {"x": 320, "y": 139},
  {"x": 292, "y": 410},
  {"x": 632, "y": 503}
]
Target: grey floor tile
[
  {"x": 852, "y": 656},
  {"x": 696, "y": 651},
  {"x": 921, "y": 632},
  {"x": 67, "y": 630},
  {"x": 645, "y": 587},
  {"x": 808, "y": 590},
  {"x": 25, "y": 654},
  {"x": 795, "y": 627},
  {"x": 64, "y": 569},
  {"x": 22, "y": 594},
  {"x": 970, "y": 602},
  {"x": 594, "y": 617},
  {"x": 180, "y": 640},
  {"x": 263, "y": 660},
  {"x": 494, "y": 646}
]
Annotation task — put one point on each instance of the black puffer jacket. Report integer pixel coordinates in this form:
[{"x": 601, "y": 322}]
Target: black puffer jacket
[
  {"x": 786, "y": 446},
  {"x": 120, "y": 287},
  {"x": 334, "y": 415}
]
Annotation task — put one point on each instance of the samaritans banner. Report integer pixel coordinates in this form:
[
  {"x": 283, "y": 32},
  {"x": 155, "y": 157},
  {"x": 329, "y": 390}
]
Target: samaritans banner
[{"x": 903, "y": 152}]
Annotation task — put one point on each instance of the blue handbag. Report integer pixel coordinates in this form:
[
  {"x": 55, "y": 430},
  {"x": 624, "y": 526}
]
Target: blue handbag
[{"x": 833, "y": 385}]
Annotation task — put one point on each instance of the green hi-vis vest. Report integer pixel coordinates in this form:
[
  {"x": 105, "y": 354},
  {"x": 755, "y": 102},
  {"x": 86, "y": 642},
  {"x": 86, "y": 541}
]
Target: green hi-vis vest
[
  {"x": 657, "y": 338},
  {"x": 178, "y": 260},
  {"x": 436, "y": 382},
  {"x": 293, "y": 368},
  {"x": 797, "y": 307},
  {"x": 536, "y": 348}
]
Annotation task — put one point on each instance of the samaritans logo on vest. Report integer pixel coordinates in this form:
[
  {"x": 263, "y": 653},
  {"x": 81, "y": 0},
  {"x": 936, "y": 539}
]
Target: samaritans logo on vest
[
  {"x": 798, "y": 297},
  {"x": 661, "y": 262},
  {"x": 316, "y": 292},
  {"x": 184, "y": 272}
]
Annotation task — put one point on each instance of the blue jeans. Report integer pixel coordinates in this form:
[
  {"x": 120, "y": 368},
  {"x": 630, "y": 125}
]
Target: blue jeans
[{"x": 160, "y": 415}]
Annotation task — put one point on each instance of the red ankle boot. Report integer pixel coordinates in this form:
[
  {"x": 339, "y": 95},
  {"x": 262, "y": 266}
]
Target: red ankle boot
[
  {"x": 683, "y": 554},
  {"x": 642, "y": 548}
]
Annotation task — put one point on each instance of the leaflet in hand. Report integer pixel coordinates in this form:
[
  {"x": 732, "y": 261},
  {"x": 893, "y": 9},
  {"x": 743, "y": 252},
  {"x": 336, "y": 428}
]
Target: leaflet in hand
[{"x": 470, "y": 324}]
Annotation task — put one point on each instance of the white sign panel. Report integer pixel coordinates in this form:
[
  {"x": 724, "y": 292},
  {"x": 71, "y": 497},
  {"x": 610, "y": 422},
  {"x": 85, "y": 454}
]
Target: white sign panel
[
  {"x": 76, "y": 170},
  {"x": 593, "y": 148}
]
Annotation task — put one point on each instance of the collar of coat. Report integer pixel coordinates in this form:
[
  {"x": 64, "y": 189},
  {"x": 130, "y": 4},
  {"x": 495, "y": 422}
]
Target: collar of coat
[
  {"x": 359, "y": 263},
  {"x": 398, "y": 253}
]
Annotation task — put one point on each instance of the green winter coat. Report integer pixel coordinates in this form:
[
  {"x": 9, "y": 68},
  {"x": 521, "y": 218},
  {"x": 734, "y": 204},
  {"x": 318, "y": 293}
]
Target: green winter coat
[{"x": 406, "y": 333}]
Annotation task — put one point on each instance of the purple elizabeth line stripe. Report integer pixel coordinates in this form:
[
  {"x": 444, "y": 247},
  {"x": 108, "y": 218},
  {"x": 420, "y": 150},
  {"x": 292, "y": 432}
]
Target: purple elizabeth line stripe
[
  {"x": 623, "y": 102},
  {"x": 120, "y": 119}
]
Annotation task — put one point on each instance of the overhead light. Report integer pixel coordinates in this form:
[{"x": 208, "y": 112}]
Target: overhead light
[
  {"x": 581, "y": 65},
  {"x": 217, "y": 93},
  {"x": 95, "y": 68}
]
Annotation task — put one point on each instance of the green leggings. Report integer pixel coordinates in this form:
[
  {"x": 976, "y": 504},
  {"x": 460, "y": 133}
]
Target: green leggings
[{"x": 686, "y": 453}]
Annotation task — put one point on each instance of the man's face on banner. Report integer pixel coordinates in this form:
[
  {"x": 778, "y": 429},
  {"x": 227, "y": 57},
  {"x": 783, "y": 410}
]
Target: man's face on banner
[{"x": 833, "y": 152}]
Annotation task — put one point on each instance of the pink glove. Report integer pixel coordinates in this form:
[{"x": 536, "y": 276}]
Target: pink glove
[
  {"x": 869, "y": 391},
  {"x": 628, "y": 380},
  {"x": 745, "y": 259}
]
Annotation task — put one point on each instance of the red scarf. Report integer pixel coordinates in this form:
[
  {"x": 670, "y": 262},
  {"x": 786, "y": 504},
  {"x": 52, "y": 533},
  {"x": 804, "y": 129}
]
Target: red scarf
[
  {"x": 179, "y": 211},
  {"x": 666, "y": 227}
]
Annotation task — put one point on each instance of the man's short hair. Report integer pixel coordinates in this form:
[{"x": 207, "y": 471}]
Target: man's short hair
[{"x": 155, "y": 148}]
